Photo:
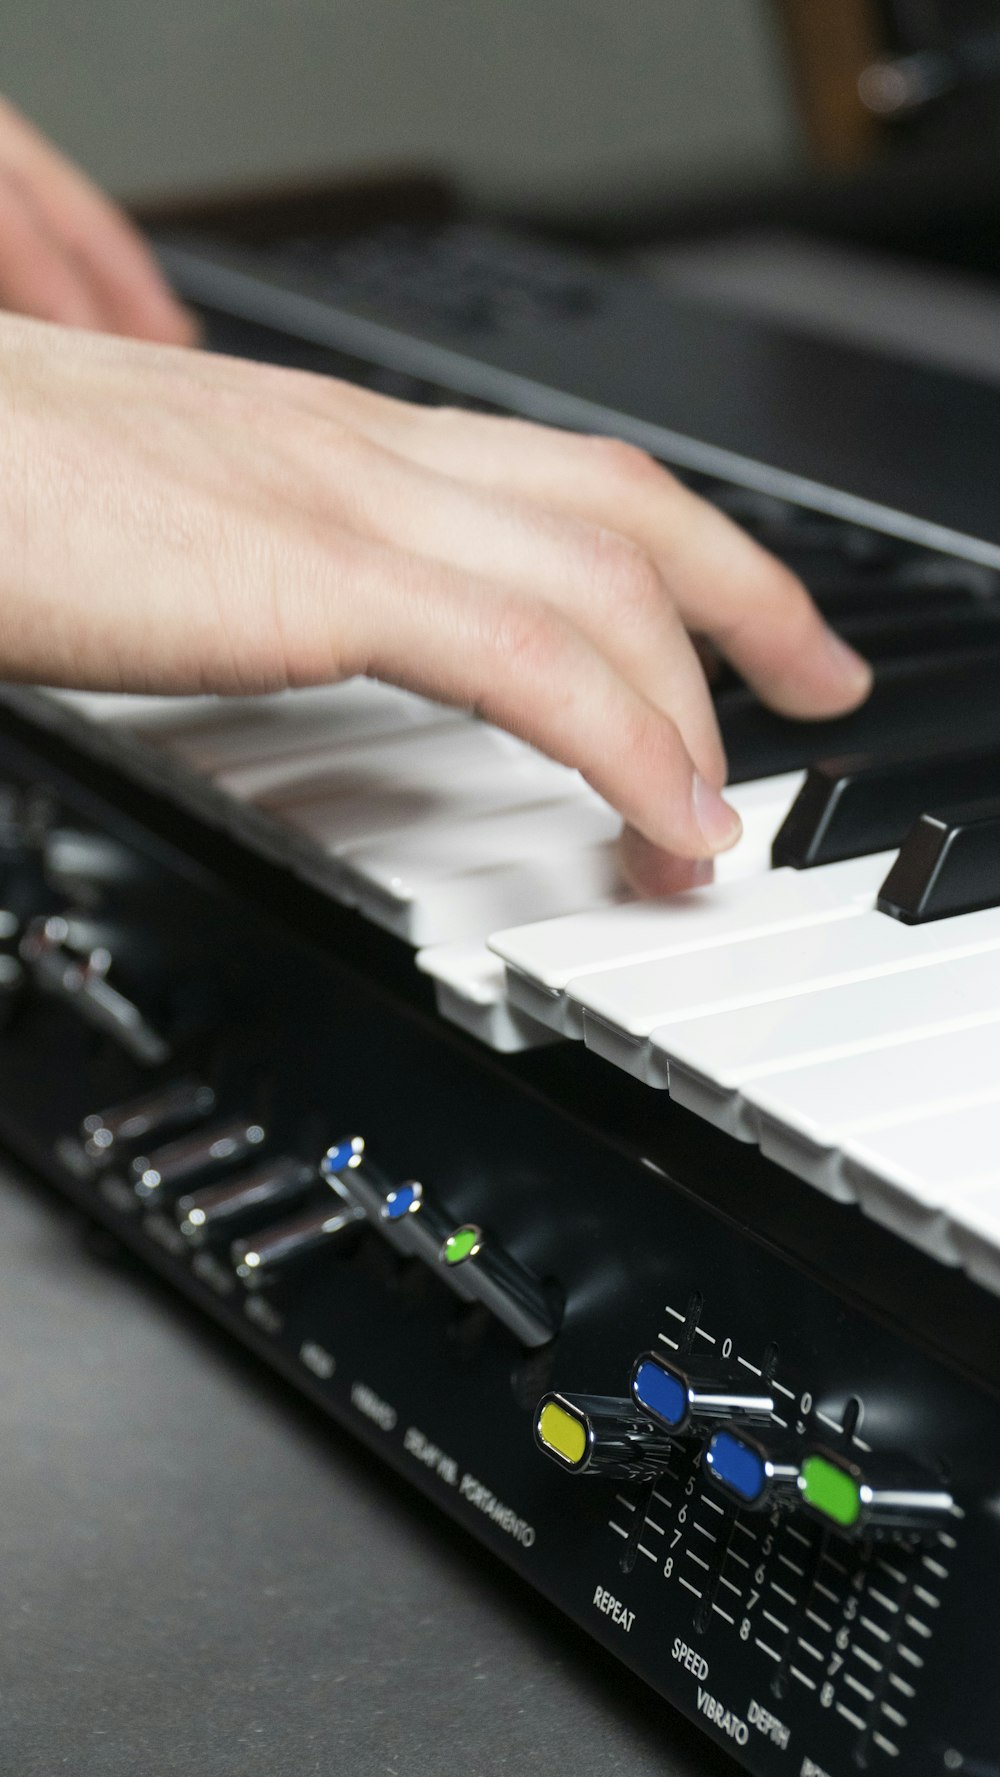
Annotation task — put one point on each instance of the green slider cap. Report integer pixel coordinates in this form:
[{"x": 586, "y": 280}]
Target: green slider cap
[
  {"x": 463, "y": 1244},
  {"x": 831, "y": 1490}
]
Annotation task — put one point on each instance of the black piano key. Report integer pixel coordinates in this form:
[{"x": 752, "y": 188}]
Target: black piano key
[
  {"x": 899, "y": 641},
  {"x": 784, "y": 527},
  {"x": 907, "y": 585},
  {"x": 949, "y": 863},
  {"x": 899, "y": 637},
  {"x": 917, "y": 708},
  {"x": 937, "y": 630},
  {"x": 851, "y": 806}
]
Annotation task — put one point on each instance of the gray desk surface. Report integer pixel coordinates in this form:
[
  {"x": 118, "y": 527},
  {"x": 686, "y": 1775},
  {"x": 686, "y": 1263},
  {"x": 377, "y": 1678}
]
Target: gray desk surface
[{"x": 201, "y": 1577}]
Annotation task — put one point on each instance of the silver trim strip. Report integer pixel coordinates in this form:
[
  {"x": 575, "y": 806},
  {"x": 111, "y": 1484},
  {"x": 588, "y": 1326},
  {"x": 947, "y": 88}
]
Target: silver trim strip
[{"x": 252, "y": 299}]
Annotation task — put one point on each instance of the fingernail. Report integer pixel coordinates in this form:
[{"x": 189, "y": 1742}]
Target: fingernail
[
  {"x": 720, "y": 824},
  {"x": 847, "y": 662}
]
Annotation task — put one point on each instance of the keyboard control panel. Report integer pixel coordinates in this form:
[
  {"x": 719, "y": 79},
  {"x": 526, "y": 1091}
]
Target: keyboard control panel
[
  {"x": 668, "y": 1262},
  {"x": 752, "y": 1457}
]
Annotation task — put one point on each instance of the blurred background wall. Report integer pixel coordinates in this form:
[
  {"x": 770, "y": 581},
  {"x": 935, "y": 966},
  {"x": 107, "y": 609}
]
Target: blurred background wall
[{"x": 534, "y": 101}]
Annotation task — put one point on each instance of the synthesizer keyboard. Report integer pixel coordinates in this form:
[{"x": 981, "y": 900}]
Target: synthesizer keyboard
[{"x": 657, "y": 1242}]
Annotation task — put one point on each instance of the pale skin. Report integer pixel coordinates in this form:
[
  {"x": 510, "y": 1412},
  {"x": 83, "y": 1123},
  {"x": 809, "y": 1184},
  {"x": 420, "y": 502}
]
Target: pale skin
[{"x": 176, "y": 521}]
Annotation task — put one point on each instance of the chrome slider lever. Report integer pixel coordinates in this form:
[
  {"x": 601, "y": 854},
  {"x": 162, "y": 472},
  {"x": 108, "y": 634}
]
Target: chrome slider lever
[
  {"x": 78, "y": 974},
  {"x": 590, "y": 1434},
  {"x": 474, "y": 1267},
  {"x": 891, "y": 1492},
  {"x": 402, "y": 1213},
  {"x": 488, "y": 1274},
  {"x": 683, "y": 1396}
]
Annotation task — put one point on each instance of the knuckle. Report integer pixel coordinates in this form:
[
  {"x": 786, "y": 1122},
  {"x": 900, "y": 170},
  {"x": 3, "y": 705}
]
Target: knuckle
[
  {"x": 651, "y": 746},
  {"x": 626, "y": 578},
  {"x": 528, "y": 638},
  {"x": 624, "y": 462}
]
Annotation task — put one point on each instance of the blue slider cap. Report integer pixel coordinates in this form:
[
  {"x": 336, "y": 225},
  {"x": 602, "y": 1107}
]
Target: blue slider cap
[
  {"x": 399, "y": 1202},
  {"x": 342, "y": 1156},
  {"x": 660, "y": 1393},
  {"x": 737, "y": 1466}
]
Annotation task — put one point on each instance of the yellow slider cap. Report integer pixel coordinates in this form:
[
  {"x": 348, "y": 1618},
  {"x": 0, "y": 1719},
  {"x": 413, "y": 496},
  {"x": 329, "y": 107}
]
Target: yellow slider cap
[{"x": 562, "y": 1433}]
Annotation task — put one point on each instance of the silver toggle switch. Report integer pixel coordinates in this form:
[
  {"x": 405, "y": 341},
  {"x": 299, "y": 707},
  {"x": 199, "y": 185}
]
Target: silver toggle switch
[
  {"x": 65, "y": 965},
  {"x": 103, "y": 1133},
  {"x": 155, "y": 1175},
  {"x": 257, "y": 1261},
  {"x": 219, "y": 1209}
]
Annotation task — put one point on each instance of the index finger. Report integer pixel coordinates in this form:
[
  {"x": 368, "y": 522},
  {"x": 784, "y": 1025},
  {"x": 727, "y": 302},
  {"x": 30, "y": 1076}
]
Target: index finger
[
  {"x": 117, "y": 262},
  {"x": 724, "y": 584}
]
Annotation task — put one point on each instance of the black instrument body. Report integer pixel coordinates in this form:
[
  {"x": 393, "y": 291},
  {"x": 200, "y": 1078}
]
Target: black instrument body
[
  {"x": 633, "y": 1209},
  {"x": 650, "y": 1229}
]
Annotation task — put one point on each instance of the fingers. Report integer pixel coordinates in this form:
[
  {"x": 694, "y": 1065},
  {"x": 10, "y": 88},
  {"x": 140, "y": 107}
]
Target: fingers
[
  {"x": 36, "y": 277},
  {"x": 653, "y": 872},
  {"x": 526, "y": 667},
  {"x": 754, "y": 610},
  {"x": 603, "y": 582},
  {"x": 723, "y": 583},
  {"x": 109, "y": 279},
  {"x": 598, "y": 580},
  {"x": 121, "y": 269}
]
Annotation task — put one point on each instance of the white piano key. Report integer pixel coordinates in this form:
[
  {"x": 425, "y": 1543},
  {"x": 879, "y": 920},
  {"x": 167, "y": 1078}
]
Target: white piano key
[
  {"x": 710, "y": 1062},
  {"x": 544, "y": 959},
  {"x": 806, "y": 1115},
  {"x": 433, "y": 778},
  {"x": 973, "y": 1230},
  {"x": 469, "y": 990},
  {"x": 242, "y": 732},
  {"x": 766, "y": 795},
  {"x": 126, "y": 707},
  {"x": 628, "y": 1005},
  {"x": 762, "y": 805},
  {"x": 423, "y": 760},
  {"x": 906, "y": 1175},
  {"x": 446, "y": 883}
]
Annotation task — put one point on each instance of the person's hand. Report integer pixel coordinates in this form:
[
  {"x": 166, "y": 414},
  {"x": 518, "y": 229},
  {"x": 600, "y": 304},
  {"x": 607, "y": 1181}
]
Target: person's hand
[
  {"x": 172, "y": 521},
  {"x": 68, "y": 254}
]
